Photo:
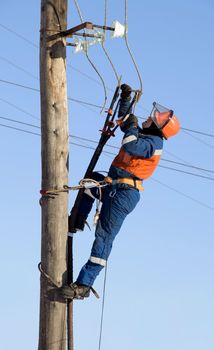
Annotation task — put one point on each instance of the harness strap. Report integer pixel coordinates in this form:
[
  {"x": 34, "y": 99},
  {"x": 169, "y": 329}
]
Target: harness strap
[{"x": 125, "y": 180}]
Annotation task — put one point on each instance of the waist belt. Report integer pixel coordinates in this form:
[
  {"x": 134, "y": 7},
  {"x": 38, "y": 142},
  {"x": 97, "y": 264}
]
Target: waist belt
[{"x": 125, "y": 180}]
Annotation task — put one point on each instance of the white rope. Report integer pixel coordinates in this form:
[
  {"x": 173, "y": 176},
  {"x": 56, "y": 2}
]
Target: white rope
[{"x": 99, "y": 185}]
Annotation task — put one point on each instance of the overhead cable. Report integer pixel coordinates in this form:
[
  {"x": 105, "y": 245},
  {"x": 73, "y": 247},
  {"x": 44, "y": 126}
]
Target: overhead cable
[
  {"x": 103, "y": 46},
  {"x": 18, "y": 35},
  {"x": 89, "y": 60},
  {"x": 18, "y": 108},
  {"x": 92, "y": 148},
  {"x": 198, "y": 139},
  {"x": 110, "y": 146},
  {"x": 181, "y": 193},
  {"x": 99, "y": 106},
  {"x": 127, "y": 45},
  {"x": 18, "y": 67}
]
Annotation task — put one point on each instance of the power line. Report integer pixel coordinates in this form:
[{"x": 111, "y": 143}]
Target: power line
[
  {"x": 18, "y": 35},
  {"x": 19, "y": 122},
  {"x": 183, "y": 194},
  {"x": 92, "y": 148},
  {"x": 89, "y": 104},
  {"x": 188, "y": 165},
  {"x": 91, "y": 78},
  {"x": 110, "y": 146},
  {"x": 98, "y": 106},
  {"x": 117, "y": 148},
  {"x": 169, "y": 187},
  {"x": 18, "y": 67},
  {"x": 19, "y": 85},
  {"x": 19, "y": 109},
  {"x": 198, "y": 132},
  {"x": 37, "y": 90},
  {"x": 186, "y": 172},
  {"x": 22, "y": 130},
  {"x": 198, "y": 139}
]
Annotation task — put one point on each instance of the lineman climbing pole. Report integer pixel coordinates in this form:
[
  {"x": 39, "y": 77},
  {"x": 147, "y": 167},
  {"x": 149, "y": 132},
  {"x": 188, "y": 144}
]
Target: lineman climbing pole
[
  {"x": 55, "y": 164},
  {"x": 54, "y": 126}
]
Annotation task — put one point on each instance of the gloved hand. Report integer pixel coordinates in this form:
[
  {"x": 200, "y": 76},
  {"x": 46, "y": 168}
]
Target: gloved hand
[
  {"x": 126, "y": 123},
  {"x": 126, "y": 91}
]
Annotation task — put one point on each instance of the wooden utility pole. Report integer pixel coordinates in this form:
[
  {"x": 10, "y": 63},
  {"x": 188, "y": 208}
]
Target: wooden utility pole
[{"x": 55, "y": 137}]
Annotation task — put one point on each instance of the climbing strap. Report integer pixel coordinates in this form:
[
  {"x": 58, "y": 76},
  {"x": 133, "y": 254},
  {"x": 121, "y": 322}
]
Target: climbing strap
[
  {"x": 73, "y": 287},
  {"x": 125, "y": 180},
  {"x": 84, "y": 183}
]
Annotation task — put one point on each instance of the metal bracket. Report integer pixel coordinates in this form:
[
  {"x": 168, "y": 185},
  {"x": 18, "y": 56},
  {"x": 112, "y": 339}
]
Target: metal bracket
[{"x": 73, "y": 31}]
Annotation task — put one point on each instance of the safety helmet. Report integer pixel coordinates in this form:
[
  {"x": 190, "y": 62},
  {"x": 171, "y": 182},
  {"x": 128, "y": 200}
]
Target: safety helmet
[{"x": 165, "y": 120}]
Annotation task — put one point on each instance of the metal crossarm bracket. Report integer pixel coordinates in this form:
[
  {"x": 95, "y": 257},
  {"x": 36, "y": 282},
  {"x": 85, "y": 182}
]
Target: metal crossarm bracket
[{"x": 74, "y": 31}]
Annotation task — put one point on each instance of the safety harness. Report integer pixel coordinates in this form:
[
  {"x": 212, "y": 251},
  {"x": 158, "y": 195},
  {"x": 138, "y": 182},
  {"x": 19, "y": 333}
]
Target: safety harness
[{"x": 125, "y": 180}]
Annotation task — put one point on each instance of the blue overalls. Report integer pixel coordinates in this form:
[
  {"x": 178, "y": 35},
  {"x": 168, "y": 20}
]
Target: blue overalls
[{"x": 117, "y": 202}]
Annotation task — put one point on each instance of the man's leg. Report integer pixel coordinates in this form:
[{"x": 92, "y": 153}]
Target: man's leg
[
  {"x": 87, "y": 201},
  {"x": 114, "y": 211}
]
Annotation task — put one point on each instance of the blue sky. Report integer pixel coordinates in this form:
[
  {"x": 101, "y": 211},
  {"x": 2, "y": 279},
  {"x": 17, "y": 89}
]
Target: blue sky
[{"x": 160, "y": 286}]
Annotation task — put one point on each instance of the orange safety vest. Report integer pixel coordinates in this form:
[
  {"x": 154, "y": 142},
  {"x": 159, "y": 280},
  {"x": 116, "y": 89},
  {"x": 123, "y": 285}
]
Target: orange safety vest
[{"x": 138, "y": 166}]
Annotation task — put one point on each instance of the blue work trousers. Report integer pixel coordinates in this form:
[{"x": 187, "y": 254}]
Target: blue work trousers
[{"x": 118, "y": 201}]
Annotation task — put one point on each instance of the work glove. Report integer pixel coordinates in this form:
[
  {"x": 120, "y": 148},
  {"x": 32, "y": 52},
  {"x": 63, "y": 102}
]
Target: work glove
[
  {"x": 126, "y": 92},
  {"x": 130, "y": 121}
]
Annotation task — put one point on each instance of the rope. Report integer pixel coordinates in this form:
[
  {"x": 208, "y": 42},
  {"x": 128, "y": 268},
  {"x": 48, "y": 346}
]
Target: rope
[
  {"x": 128, "y": 48},
  {"x": 82, "y": 184},
  {"x": 90, "y": 61},
  {"x": 103, "y": 305}
]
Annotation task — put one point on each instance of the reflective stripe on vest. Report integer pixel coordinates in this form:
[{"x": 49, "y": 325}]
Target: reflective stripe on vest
[
  {"x": 129, "y": 139},
  {"x": 138, "y": 166}
]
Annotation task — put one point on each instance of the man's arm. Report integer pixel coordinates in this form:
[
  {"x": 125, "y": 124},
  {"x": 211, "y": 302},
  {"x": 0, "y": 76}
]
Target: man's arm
[
  {"x": 135, "y": 145},
  {"x": 125, "y": 100}
]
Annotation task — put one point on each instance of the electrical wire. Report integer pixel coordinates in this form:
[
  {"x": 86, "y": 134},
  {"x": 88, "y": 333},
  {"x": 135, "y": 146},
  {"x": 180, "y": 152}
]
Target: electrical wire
[
  {"x": 37, "y": 47},
  {"x": 169, "y": 187},
  {"x": 89, "y": 60},
  {"x": 92, "y": 148},
  {"x": 107, "y": 55},
  {"x": 127, "y": 45},
  {"x": 89, "y": 77},
  {"x": 198, "y": 139},
  {"x": 103, "y": 46},
  {"x": 19, "y": 109},
  {"x": 99, "y": 106},
  {"x": 183, "y": 194},
  {"x": 18, "y": 35},
  {"x": 117, "y": 148},
  {"x": 85, "y": 103},
  {"x": 18, "y": 67}
]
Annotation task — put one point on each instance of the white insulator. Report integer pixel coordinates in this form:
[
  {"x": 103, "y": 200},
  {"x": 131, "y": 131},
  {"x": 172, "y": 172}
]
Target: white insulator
[
  {"x": 119, "y": 30},
  {"x": 81, "y": 46},
  {"x": 99, "y": 36}
]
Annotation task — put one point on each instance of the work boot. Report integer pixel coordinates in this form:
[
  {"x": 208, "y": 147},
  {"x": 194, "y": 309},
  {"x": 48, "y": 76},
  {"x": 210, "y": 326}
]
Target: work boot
[{"x": 77, "y": 291}]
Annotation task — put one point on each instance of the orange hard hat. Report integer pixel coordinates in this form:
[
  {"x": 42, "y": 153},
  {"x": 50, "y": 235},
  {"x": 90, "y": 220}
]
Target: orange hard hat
[{"x": 165, "y": 120}]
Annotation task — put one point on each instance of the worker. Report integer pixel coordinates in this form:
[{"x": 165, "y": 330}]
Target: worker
[{"x": 137, "y": 159}]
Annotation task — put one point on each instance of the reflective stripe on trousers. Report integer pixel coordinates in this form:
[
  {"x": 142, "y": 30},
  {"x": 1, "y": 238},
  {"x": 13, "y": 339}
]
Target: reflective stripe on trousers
[{"x": 114, "y": 211}]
